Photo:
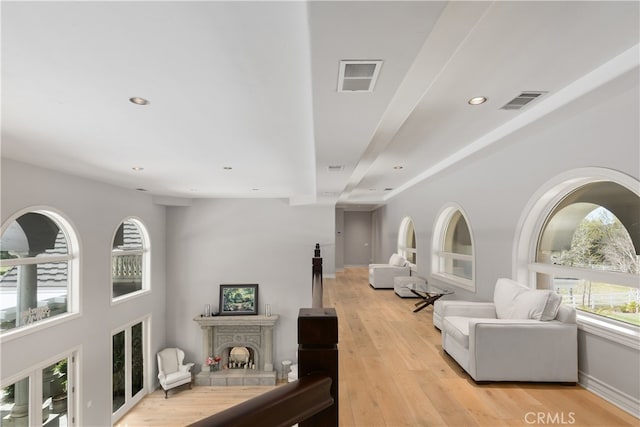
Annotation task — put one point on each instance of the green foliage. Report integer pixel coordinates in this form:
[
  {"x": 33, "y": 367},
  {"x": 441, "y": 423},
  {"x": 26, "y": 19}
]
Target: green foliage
[{"x": 602, "y": 242}]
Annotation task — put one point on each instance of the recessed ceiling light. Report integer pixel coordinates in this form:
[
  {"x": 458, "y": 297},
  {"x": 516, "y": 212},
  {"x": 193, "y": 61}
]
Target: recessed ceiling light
[
  {"x": 372, "y": 189},
  {"x": 478, "y": 100},
  {"x": 139, "y": 101},
  {"x": 137, "y": 168},
  {"x": 255, "y": 189},
  {"x": 388, "y": 189},
  {"x": 398, "y": 167},
  {"x": 227, "y": 168},
  {"x": 141, "y": 189}
]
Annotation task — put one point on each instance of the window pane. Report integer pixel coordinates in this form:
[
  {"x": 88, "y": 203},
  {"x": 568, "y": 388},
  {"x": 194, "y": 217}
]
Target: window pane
[
  {"x": 127, "y": 267},
  {"x": 128, "y": 237},
  {"x": 605, "y": 299},
  {"x": 15, "y": 404},
  {"x": 588, "y": 236},
  {"x": 458, "y": 238},
  {"x": 32, "y": 235},
  {"x": 137, "y": 359},
  {"x": 55, "y": 394},
  {"x": 33, "y": 292},
  {"x": 462, "y": 268},
  {"x": 127, "y": 274},
  {"x": 118, "y": 371}
]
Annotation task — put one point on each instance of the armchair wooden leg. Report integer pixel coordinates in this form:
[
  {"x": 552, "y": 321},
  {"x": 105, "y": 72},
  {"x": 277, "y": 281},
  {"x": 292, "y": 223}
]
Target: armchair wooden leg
[{"x": 165, "y": 394}]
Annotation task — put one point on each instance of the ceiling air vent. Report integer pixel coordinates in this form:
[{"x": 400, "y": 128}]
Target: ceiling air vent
[
  {"x": 522, "y": 100},
  {"x": 358, "y": 76}
]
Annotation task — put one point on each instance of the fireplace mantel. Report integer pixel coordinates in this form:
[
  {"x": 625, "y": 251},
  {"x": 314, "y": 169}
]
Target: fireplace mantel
[{"x": 222, "y": 332}]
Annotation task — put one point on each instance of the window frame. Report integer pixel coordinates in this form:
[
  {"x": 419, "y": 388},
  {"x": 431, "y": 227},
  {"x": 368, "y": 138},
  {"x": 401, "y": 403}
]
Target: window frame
[
  {"x": 439, "y": 255},
  {"x": 73, "y": 271},
  {"x": 403, "y": 236},
  {"x": 34, "y": 376},
  {"x": 530, "y": 227},
  {"x": 146, "y": 261},
  {"x": 132, "y": 399}
]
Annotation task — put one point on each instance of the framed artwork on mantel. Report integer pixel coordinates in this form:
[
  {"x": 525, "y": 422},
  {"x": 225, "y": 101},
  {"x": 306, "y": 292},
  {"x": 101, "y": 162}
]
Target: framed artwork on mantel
[{"x": 238, "y": 300}]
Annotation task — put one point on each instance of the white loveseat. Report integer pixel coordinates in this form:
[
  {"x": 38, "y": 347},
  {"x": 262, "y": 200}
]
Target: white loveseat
[
  {"x": 524, "y": 335},
  {"x": 381, "y": 275}
]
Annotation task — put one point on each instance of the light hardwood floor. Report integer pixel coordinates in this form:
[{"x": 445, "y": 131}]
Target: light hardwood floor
[{"x": 393, "y": 372}]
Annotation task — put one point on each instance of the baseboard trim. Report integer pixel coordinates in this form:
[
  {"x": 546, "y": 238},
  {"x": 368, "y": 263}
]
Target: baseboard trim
[
  {"x": 329, "y": 276},
  {"x": 611, "y": 394}
]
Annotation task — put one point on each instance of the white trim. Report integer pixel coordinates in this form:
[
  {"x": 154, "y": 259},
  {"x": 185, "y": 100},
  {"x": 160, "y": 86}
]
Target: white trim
[
  {"x": 617, "y": 397},
  {"x": 129, "y": 296},
  {"x": 19, "y": 332},
  {"x": 45, "y": 259},
  {"x": 618, "y": 332},
  {"x": 461, "y": 282},
  {"x": 612, "y": 277}
]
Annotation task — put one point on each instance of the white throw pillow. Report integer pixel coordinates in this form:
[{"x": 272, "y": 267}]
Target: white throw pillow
[
  {"x": 515, "y": 301},
  {"x": 504, "y": 295},
  {"x": 397, "y": 260},
  {"x": 535, "y": 304}
]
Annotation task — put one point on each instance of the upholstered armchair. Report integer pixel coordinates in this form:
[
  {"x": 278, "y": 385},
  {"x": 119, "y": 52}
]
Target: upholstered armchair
[
  {"x": 172, "y": 372},
  {"x": 381, "y": 275},
  {"x": 523, "y": 335}
]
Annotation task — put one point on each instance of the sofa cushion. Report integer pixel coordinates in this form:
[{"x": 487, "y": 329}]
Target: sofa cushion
[
  {"x": 457, "y": 327},
  {"x": 397, "y": 260},
  {"x": 515, "y": 301}
]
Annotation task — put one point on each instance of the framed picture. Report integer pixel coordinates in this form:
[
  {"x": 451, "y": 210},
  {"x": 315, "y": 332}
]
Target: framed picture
[{"x": 238, "y": 300}]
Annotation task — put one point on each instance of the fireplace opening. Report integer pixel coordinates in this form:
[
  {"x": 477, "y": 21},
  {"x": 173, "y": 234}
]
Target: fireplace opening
[{"x": 241, "y": 358}]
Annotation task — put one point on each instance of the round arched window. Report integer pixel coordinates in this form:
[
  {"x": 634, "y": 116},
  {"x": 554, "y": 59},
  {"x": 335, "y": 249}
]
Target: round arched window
[
  {"x": 407, "y": 240},
  {"x": 38, "y": 252},
  {"x": 588, "y": 251},
  {"x": 129, "y": 259},
  {"x": 453, "y": 255}
]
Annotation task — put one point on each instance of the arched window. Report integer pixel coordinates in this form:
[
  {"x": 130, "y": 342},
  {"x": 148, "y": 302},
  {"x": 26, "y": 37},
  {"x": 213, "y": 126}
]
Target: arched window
[
  {"x": 453, "y": 253},
  {"x": 587, "y": 251},
  {"x": 129, "y": 259},
  {"x": 38, "y": 269},
  {"x": 407, "y": 240}
]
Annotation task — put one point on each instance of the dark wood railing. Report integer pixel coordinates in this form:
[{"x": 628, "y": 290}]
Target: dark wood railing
[
  {"x": 316, "y": 283},
  {"x": 312, "y": 400}
]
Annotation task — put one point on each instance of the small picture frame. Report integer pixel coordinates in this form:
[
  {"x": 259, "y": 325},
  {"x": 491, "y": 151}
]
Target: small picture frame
[{"x": 238, "y": 300}]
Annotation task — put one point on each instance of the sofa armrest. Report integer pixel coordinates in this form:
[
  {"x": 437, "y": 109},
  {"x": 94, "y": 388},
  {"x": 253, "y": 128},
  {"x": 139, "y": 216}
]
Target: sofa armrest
[
  {"x": 523, "y": 350},
  {"x": 466, "y": 309}
]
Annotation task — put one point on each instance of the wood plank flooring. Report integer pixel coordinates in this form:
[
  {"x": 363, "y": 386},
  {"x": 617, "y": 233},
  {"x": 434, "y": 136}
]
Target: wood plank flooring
[{"x": 393, "y": 372}]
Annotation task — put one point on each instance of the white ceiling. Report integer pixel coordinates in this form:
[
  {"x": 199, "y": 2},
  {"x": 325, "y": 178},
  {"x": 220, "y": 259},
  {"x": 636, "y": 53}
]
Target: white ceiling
[{"x": 252, "y": 86}]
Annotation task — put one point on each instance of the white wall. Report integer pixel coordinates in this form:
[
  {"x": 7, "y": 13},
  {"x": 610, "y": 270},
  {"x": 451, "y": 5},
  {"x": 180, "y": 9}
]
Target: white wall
[
  {"x": 95, "y": 210},
  {"x": 494, "y": 186},
  {"x": 263, "y": 241}
]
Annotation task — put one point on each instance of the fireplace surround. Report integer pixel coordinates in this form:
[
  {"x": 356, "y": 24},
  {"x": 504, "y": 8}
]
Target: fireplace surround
[{"x": 222, "y": 333}]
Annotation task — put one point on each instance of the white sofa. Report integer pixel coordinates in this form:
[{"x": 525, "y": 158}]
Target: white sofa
[
  {"x": 524, "y": 335},
  {"x": 381, "y": 275}
]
